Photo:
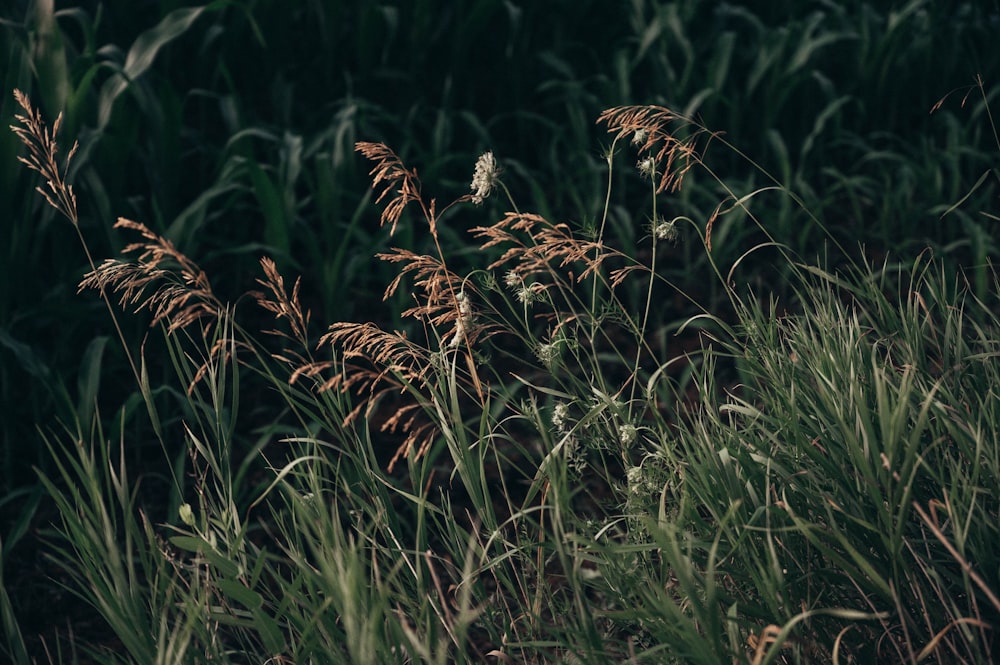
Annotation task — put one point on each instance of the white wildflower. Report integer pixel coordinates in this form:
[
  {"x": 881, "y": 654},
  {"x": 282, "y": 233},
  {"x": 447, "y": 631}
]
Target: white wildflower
[
  {"x": 627, "y": 433},
  {"x": 639, "y": 137},
  {"x": 647, "y": 167},
  {"x": 512, "y": 279},
  {"x": 663, "y": 230},
  {"x": 559, "y": 413},
  {"x": 484, "y": 178},
  {"x": 635, "y": 479},
  {"x": 547, "y": 353},
  {"x": 525, "y": 295}
]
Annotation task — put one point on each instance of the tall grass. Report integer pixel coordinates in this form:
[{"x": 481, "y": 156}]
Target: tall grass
[
  {"x": 228, "y": 126},
  {"x": 548, "y": 465},
  {"x": 231, "y": 139}
]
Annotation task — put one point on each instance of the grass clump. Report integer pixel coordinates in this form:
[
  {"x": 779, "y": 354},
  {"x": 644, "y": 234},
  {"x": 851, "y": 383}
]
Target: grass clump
[{"x": 545, "y": 463}]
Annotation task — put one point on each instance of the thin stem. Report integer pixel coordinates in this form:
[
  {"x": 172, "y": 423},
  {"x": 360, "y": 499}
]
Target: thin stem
[
  {"x": 107, "y": 304},
  {"x": 649, "y": 300},
  {"x": 510, "y": 198},
  {"x": 599, "y": 243}
]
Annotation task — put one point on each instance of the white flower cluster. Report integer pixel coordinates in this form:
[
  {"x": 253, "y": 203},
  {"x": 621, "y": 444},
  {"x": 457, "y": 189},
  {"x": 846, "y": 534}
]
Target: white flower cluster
[
  {"x": 635, "y": 479},
  {"x": 559, "y": 413},
  {"x": 548, "y": 353},
  {"x": 627, "y": 434},
  {"x": 523, "y": 292},
  {"x": 664, "y": 230},
  {"x": 484, "y": 178},
  {"x": 647, "y": 167}
]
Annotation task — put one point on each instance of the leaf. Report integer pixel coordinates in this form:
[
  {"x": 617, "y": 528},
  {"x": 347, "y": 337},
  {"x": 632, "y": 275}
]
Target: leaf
[
  {"x": 14, "y": 531},
  {"x": 270, "y": 634},
  {"x": 268, "y": 628},
  {"x": 88, "y": 381},
  {"x": 979, "y": 183},
  {"x": 248, "y": 598},
  {"x": 198, "y": 545},
  {"x": 142, "y": 54},
  {"x": 272, "y": 207},
  {"x": 50, "y": 57},
  {"x": 25, "y": 355}
]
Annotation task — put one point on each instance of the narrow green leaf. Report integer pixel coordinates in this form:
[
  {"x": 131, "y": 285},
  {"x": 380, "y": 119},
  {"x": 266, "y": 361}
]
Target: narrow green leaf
[
  {"x": 142, "y": 54},
  {"x": 269, "y": 631},
  {"x": 248, "y": 598},
  {"x": 198, "y": 545},
  {"x": 272, "y": 207},
  {"x": 88, "y": 381}
]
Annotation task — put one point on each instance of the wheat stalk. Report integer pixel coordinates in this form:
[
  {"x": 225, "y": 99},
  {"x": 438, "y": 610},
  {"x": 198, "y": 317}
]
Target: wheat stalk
[{"x": 42, "y": 152}]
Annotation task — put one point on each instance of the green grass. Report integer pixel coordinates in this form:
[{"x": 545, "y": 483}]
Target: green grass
[
  {"x": 560, "y": 491},
  {"x": 751, "y": 419}
]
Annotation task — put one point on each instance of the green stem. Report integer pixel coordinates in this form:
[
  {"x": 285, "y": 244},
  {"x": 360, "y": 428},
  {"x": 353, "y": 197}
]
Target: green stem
[{"x": 640, "y": 342}]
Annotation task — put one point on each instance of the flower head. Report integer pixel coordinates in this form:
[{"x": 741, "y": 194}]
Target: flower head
[
  {"x": 559, "y": 414},
  {"x": 647, "y": 167},
  {"x": 634, "y": 477},
  {"x": 664, "y": 230},
  {"x": 525, "y": 295},
  {"x": 186, "y": 514},
  {"x": 548, "y": 353},
  {"x": 485, "y": 177},
  {"x": 627, "y": 433}
]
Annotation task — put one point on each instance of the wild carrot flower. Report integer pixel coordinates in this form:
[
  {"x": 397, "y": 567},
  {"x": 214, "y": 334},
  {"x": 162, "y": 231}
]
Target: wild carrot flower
[
  {"x": 484, "y": 178},
  {"x": 525, "y": 293}
]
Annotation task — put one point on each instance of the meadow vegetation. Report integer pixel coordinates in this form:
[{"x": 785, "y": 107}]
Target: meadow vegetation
[{"x": 661, "y": 333}]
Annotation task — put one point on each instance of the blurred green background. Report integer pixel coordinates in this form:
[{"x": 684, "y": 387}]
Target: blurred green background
[{"x": 229, "y": 128}]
